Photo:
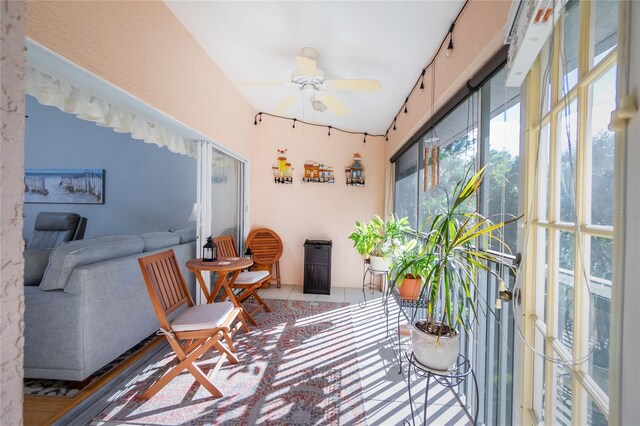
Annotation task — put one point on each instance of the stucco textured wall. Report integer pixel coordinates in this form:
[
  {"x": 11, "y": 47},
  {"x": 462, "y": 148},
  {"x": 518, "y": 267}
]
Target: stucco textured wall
[
  {"x": 312, "y": 210},
  {"x": 11, "y": 192}
]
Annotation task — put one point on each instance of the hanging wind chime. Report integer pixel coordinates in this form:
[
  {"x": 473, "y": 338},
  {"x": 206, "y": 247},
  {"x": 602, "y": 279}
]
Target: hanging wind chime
[
  {"x": 431, "y": 164},
  {"x": 431, "y": 148}
]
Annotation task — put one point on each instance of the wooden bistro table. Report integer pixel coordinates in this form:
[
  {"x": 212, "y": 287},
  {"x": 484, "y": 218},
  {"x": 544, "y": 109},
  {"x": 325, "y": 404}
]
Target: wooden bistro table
[{"x": 223, "y": 266}]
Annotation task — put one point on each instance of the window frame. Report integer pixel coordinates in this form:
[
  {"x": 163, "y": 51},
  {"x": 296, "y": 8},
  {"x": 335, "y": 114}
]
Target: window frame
[{"x": 583, "y": 386}]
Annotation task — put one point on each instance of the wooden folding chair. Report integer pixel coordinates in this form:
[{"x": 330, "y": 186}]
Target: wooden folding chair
[
  {"x": 201, "y": 327},
  {"x": 247, "y": 282},
  {"x": 267, "y": 249}
]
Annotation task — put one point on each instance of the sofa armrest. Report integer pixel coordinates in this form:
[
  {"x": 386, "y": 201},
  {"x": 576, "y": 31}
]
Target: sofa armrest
[
  {"x": 52, "y": 331},
  {"x": 118, "y": 310}
]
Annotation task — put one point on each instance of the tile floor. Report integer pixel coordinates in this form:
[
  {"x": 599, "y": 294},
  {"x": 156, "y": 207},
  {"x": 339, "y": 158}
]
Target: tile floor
[
  {"x": 338, "y": 294},
  {"x": 384, "y": 388}
]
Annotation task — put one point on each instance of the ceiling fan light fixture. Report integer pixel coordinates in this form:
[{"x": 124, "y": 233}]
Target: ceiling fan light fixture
[
  {"x": 318, "y": 105},
  {"x": 310, "y": 52}
]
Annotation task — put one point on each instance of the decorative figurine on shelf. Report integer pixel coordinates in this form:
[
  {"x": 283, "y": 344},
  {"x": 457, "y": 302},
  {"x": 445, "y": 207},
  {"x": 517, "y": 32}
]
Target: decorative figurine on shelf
[
  {"x": 288, "y": 176},
  {"x": 308, "y": 171},
  {"x": 355, "y": 173},
  {"x": 209, "y": 251},
  {"x": 282, "y": 160},
  {"x": 282, "y": 173}
]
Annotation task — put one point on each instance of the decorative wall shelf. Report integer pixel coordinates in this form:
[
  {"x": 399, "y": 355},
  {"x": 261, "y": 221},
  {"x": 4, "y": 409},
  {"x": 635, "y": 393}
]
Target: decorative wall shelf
[
  {"x": 355, "y": 172},
  {"x": 283, "y": 172},
  {"x": 318, "y": 173}
]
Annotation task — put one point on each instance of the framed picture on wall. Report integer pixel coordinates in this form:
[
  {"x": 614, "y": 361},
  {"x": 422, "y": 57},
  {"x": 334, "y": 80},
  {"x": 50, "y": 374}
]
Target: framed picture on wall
[{"x": 64, "y": 186}]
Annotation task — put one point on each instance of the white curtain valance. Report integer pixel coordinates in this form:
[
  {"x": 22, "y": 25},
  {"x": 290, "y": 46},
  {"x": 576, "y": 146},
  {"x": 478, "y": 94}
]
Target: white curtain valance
[{"x": 49, "y": 90}]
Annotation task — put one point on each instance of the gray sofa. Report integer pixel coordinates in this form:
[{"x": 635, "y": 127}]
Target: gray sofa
[{"x": 92, "y": 304}]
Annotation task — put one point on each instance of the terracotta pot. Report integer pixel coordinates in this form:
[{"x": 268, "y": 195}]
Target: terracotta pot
[
  {"x": 437, "y": 354},
  {"x": 409, "y": 289},
  {"x": 380, "y": 263}
]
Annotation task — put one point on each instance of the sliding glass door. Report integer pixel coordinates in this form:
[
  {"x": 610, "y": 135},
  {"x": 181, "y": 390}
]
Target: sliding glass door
[{"x": 221, "y": 194}]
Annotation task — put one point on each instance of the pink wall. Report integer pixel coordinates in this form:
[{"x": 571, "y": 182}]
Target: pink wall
[
  {"x": 311, "y": 210},
  {"x": 478, "y": 35},
  {"x": 142, "y": 48}
]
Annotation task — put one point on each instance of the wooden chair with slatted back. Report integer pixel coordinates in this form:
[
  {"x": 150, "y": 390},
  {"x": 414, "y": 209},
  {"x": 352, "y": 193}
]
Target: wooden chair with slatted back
[
  {"x": 194, "y": 330},
  {"x": 267, "y": 249},
  {"x": 247, "y": 282}
]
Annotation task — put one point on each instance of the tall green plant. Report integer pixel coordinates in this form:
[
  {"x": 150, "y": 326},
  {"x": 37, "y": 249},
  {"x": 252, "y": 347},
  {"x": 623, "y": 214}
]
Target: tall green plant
[
  {"x": 451, "y": 261},
  {"x": 379, "y": 238}
]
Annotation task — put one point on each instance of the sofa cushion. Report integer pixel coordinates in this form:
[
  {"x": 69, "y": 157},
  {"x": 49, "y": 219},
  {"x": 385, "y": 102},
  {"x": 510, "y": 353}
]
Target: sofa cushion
[
  {"x": 186, "y": 234},
  {"x": 158, "y": 240},
  {"x": 35, "y": 263},
  {"x": 66, "y": 258}
]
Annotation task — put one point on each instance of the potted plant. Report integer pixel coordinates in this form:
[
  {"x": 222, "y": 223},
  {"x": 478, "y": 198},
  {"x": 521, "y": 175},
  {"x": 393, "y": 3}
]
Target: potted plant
[
  {"x": 449, "y": 264},
  {"x": 407, "y": 264},
  {"x": 377, "y": 239}
]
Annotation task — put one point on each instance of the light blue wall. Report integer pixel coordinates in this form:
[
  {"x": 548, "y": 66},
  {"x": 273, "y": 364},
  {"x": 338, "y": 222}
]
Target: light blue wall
[{"x": 147, "y": 188}]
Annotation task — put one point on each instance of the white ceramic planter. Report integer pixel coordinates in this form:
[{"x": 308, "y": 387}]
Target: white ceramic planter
[
  {"x": 437, "y": 356},
  {"x": 380, "y": 263}
]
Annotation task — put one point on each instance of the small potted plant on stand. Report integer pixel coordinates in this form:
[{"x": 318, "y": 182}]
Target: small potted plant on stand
[
  {"x": 449, "y": 265},
  {"x": 377, "y": 239},
  {"x": 407, "y": 264}
]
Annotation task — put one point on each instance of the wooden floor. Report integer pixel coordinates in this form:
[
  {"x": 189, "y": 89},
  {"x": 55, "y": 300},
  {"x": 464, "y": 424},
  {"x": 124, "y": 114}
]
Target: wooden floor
[{"x": 44, "y": 410}]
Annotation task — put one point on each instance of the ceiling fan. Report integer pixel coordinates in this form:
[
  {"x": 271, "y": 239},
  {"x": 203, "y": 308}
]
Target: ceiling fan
[{"x": 309, "y": 79}]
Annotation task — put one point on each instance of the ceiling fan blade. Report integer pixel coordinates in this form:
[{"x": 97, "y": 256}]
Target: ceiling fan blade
[
  {"x": 364, "y": 85},
  {"x": 334, "y": 104},
  {"x": 261, "y": 83},
  {"x": 286, "y": 103},
  {"x": 306, "y": 66}
]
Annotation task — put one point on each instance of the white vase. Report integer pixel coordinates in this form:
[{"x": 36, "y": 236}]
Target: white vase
[
  {"x": 437, "y": 354},
  {"x": 380, "y": 263}
]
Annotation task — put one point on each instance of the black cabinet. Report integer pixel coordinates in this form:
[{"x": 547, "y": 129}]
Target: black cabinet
[{"x": 317, "y": 266}]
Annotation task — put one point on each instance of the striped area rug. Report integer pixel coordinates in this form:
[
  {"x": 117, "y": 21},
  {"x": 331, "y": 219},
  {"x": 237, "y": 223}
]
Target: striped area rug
[{"x": 298, "y": 367}]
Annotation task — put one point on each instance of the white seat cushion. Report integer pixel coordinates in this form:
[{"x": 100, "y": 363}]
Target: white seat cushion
[
  {"x": 251, "y": 277},
  {"x": 202, "y": 317}
]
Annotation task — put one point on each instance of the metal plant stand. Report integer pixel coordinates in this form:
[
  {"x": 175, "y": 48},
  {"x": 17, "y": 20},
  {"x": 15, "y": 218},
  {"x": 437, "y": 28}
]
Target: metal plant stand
[
  {"x": 449, "y": 379},
  {"x": 372, "y": 273},
  {"x": 405, "y": 307}
]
